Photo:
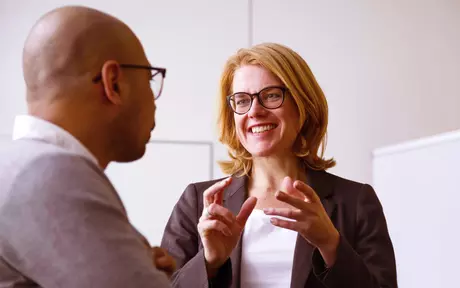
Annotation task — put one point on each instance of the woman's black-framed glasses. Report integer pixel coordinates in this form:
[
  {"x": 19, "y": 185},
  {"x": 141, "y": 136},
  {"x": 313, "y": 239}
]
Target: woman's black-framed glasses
[
  {"x": 156, "y": 81},
  {"x": 270, "y": 98}
]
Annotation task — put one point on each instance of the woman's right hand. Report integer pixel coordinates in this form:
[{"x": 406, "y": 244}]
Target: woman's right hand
[{"x": 219, "y": 228}]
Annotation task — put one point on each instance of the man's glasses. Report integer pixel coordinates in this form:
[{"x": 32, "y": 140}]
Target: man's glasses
[
  {"x": 157, "y": 79},
  {"x": 270, "y": 98}
]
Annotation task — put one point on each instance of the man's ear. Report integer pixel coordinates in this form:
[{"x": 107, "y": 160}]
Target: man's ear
[{"x": 111, "y": 76}]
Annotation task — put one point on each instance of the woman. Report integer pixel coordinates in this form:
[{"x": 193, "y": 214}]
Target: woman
[{"x": 303, "y": 227}]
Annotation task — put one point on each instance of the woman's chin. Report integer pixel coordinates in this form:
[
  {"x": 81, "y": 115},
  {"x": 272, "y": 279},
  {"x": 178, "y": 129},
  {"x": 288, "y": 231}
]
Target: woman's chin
[{"x": 266, "y": 152}]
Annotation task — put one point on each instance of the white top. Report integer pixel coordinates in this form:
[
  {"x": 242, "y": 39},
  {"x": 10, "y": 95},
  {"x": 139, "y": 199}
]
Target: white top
[
  {"x": 267, "y": 253},
  {"x": 30, "y": 127}
]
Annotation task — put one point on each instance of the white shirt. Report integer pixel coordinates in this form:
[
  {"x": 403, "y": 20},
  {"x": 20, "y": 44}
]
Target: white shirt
[
  {"x": 30, "y": 127},
  {"x": 267, "y": 253}
]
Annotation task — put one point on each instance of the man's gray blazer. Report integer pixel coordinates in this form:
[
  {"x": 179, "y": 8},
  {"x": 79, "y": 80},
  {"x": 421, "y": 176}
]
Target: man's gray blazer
[{"x": 62, "y": 224}]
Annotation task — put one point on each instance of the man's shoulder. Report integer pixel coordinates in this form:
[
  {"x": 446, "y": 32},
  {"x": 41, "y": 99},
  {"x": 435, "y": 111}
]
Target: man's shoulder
[
  {"x": 46, "y": 172},
  {"x": 21, "y": 154}
]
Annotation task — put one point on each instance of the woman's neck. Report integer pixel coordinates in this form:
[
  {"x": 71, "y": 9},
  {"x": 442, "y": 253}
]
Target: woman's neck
[{"x": 268, "y": 173}]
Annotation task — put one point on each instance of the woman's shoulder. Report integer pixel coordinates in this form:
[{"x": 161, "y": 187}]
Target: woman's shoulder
[
  {"x": 201, "y": 186},
  {"x": 350, "y": 195},
  {"x": 342, "y": 187},
  {"x": 196, "y": 189}
]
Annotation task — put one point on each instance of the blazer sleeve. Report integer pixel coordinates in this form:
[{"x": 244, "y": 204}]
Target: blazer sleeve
[
  {"x": 370, "y": 263},
  {"x": 182, "y": 241},
  {"x": 62, "y": 225}
]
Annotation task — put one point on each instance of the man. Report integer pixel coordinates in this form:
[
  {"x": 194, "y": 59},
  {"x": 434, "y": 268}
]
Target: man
[{"x": 90, "y": 102}]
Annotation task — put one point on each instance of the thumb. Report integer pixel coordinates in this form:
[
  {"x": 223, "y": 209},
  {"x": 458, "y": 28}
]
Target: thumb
[
  {"x": 246, "y": 210},
  {"x": 287, "y": 186}
]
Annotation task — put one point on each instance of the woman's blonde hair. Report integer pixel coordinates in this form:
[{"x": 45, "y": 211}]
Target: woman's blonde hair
[{"x": 310, "y": 101}]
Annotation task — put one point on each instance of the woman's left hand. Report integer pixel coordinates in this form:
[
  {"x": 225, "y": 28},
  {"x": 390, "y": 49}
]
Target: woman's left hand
[{"x": 311, "y": 219}]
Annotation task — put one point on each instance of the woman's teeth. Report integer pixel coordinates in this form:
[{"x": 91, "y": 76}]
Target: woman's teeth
[{"x": 260, "y": 129}]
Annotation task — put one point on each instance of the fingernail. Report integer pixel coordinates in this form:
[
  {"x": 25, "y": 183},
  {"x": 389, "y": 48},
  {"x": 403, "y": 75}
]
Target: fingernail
[
  {"x": 273, "y": 221},
  {"x": 267, "y": 210}
]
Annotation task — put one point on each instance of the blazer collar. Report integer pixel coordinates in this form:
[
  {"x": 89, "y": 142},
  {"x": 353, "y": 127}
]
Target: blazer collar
[
  {"x": 320, "y": 181},
  {"x": 236, "y": 194}
]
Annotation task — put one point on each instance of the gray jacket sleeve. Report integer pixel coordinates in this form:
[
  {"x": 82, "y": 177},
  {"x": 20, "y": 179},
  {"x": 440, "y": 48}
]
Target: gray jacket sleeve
[{"x": 63, "y": 225}]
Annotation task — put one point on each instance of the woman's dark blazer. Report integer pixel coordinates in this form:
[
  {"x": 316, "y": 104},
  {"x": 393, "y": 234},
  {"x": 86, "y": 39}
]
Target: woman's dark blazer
[{"x": 365, "y": 255}]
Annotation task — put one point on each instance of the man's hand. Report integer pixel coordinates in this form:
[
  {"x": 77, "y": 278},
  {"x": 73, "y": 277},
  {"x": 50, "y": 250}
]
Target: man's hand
[{"x": 163, "y": 261}]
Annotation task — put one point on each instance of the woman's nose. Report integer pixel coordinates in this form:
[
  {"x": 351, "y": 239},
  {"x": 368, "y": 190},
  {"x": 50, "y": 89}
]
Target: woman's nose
[{"x": 256, "y": 108}]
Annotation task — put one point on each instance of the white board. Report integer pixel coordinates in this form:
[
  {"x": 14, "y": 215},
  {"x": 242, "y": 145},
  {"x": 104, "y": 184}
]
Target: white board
[
  {"x": 418, "y": 185},
  {"x": 151, "y": 186}
]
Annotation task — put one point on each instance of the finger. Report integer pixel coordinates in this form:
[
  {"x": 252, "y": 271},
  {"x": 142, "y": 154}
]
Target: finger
[
  {"x": 214, "y": 225},
  {"x": 306, "y": 190},
  {"x": 205, "y": 215},
  {"x": 158, "y": 252},
  {"x": 162, "y": 262},
  {"x": 287, "y": 186},
  {"x": 162, "y": 259},
  {"x": 294, "y": 214},
  {"x": 221, "y": 213},
  {"x": 286, "y": 224},
  {"x": 165, "y": 263},
  {"x": 219, "y": 198},
  {"x": 246, "y": 210},
  {"x": 292, "y": 200},
  {"x": 208, "y": 195}
]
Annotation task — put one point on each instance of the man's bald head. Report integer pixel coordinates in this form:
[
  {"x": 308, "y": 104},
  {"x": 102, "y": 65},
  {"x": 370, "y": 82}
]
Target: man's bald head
[
  {"x": 68, "y": 45},
  {"x": 73, "y": 68}
]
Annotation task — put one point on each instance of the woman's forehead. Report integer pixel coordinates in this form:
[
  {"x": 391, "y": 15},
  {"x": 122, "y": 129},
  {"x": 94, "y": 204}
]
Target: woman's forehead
[{"x": 252, "y": 79}]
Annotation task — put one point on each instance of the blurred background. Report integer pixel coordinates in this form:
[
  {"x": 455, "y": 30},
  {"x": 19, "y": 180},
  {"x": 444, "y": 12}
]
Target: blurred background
[{"x": 390, "y": 71}]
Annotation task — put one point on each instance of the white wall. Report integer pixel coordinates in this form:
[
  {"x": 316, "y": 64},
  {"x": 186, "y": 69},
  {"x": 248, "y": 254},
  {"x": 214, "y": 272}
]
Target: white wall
[
  {"x": 390, "y": 69},
  {"x": 151, "y": 186}
]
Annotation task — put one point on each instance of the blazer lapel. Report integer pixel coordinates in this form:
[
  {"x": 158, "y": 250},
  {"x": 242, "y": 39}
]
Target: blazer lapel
[
  {"x": 303, "y": 250},
  {"x": 235, "y": 195}
]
